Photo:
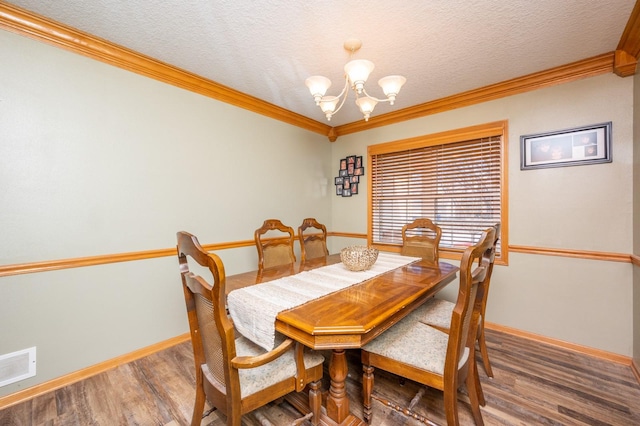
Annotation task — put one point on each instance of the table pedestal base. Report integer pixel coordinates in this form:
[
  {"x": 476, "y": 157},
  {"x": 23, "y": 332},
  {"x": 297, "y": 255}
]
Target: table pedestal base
[{"x": 301, "y": 403}]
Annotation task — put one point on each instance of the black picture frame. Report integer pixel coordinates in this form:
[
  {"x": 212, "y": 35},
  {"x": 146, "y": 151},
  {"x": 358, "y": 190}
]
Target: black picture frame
[
  {"x": 569, "y": 147},
  {"x": 338, "y": 180}
]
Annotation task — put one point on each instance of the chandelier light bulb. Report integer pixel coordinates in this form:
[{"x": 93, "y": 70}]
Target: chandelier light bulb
[
  {"x": 328, "y": 105},
  {"x": 391, "y": 86},
  {"x": 318, "y": 86},
  {"x": 358, "y": 71},
  {"x": 366, "y": 105}
]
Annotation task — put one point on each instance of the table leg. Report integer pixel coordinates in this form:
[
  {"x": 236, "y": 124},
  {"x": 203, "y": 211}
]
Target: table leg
[
  {"x": 337, "y": 401},
  {"x": 336, "y": 411}
]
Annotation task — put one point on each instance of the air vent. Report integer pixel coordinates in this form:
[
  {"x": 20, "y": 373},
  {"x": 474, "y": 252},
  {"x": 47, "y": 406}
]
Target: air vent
[{"x": 17, "y": 366}]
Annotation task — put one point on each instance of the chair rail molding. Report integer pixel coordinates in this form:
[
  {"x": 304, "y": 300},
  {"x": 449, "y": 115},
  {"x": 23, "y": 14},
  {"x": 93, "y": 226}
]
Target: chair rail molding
[{"x": 53, "y": 265}]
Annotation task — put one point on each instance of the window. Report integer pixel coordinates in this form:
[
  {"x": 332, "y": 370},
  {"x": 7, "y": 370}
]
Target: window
[{"x": 457, "y": 179}]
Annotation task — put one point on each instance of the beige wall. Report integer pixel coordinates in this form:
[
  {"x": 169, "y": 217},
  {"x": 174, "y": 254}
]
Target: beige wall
[
  {"x": 584, "y": 302},
  {"x": 97, "y": 160}
]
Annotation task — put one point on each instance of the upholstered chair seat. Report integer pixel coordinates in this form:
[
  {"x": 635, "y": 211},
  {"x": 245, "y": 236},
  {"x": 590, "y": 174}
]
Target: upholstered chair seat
[
  {"x": 257, "y": 379},
  {"x": 436, "y": 312},
  {"x": 405, "y": 343}
]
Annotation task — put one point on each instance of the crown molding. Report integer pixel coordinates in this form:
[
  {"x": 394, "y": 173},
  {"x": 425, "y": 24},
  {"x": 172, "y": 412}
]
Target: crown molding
[
  {"x": 601, "y": 64},
  {"x": 630, "y": 39},
  {"x": 628, "y": 50},
  {"x": 28, "y": 24},
  {"x": 37, "y": 27}
]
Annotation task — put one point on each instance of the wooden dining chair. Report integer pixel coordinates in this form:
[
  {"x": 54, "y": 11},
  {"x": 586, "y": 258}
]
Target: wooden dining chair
[
  {"x": 437, "y": 312},
  {"x": 312, "y": 244},
  {"x": 424, "y": 354},
  {"x": 421, "y": 238},
  {"x": 274, "y": 248},
  {"x": 235, "y": 375}
]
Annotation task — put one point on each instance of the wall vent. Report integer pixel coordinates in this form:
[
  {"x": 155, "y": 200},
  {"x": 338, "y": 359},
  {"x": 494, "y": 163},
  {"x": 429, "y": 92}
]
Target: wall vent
[{"x": 17, "y": 366}]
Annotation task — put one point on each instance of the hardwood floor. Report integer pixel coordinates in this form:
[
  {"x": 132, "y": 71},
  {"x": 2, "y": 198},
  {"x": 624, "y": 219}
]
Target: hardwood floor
[{"x": 534, "y": 384}]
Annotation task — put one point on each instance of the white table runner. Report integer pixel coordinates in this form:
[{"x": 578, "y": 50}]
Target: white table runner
[{"x": 254, "y": 308}]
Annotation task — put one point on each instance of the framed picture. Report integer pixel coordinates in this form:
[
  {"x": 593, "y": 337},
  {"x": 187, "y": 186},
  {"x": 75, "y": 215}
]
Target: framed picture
[
  {"x": 349, "y": 173},
  {"x": 570, "y": 147}
]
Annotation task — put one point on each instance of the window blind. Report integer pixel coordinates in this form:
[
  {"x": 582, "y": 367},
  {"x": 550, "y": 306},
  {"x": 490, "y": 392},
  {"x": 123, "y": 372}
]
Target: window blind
[{"x": 457, "y": 185}]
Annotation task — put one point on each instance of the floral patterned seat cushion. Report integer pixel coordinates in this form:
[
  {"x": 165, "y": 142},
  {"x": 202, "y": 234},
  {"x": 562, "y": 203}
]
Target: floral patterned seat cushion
[
  {"x": 435, "y": 312},
  {"x": 253, "y": 380},
  {"x": 414, "y": 343}
]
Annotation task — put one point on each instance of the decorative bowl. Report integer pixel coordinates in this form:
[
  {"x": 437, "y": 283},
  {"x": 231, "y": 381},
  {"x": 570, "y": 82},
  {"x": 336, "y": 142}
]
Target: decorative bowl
[{"x": 358, "y": 258}]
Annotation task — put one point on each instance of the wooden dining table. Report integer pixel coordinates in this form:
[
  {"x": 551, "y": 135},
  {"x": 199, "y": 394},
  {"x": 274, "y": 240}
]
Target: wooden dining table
[{"x": 348, "y": 318}]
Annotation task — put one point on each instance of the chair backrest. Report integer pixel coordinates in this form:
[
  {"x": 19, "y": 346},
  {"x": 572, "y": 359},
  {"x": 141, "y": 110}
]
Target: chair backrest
[
  {"x": 313, "y": 244},
  {"x": 421, "y": 238},
  {"x": 212, "y": 332},
  {"x": 275, "y": 249},
  {"x": 488, "y": 259},
  {"x": 462, "y": 332}
]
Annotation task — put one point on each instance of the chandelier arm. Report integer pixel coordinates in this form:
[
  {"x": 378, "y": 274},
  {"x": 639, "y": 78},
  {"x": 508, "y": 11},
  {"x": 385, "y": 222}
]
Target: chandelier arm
[
  {"x": 374, "y": 98},
  {"x": 344, "y": 89},
  {"x": 346, "y": 95}
]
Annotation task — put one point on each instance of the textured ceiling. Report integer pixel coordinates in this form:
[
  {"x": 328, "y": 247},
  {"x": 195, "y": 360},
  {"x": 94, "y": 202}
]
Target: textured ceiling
[{"x": 267, "y": 48}]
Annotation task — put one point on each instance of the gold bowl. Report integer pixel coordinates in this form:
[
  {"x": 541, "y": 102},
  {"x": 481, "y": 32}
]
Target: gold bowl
[{"x": 358, "y": 258}]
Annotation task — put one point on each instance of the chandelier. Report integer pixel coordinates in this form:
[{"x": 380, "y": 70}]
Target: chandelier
[{"x": 356, "y": 73}]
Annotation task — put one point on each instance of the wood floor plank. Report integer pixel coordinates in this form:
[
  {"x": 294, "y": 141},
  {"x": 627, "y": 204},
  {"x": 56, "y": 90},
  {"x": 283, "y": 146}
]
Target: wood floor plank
[
  {"x": 533, "y": 384},
  {"x": 43, "y": 408}
]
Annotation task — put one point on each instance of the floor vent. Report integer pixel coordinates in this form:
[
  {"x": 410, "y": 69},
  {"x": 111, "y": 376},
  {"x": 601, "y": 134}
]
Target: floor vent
[{"x": 17, "y": 366}]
